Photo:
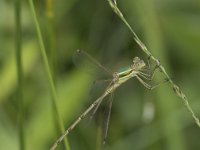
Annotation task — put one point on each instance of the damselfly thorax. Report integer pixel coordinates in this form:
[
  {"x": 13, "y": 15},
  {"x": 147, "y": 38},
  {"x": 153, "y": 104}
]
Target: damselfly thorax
[{"x": 136, "y": 69}]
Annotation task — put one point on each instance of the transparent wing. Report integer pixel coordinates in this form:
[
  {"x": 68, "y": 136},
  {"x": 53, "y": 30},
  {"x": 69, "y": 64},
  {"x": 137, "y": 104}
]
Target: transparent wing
[
  {"x": 107, "y": 119},
  {"x": 88, "y": 64}
]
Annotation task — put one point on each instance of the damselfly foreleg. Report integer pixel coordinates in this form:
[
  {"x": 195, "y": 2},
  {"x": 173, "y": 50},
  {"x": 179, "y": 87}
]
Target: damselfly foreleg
[
  {"x": 149, "y": 76},
  {"x": 148, "y": 86}
]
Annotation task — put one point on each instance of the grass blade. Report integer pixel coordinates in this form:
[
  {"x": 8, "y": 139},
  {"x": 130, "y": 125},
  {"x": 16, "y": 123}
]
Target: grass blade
[
  {"x": 19, "y": 74},
  {"x": 48, "y": 70},
  {"x": 176, "y": 89}
]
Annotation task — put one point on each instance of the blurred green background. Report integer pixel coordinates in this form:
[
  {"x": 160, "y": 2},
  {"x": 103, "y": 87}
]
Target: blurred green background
[{"x": 140, "y": 119}]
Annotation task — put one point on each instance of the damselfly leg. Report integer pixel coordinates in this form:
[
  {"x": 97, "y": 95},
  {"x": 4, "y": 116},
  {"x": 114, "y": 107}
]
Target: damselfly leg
[
  {"x": 135, "y": 70},
  {"x": 148, "y": 86},
  {"x": 105, "y": 132},
  {"x": 97, "y": 106}
]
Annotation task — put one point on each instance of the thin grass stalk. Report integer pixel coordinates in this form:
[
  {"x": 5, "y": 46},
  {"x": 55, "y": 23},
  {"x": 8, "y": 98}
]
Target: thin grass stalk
[
  {"x": 153, "y": 33},
  {"x": 51, "y": 42},
  {"x": 50, "y": 78},
  {"x": 18, "y": 40},
  {"x": 175, "y": 87}
]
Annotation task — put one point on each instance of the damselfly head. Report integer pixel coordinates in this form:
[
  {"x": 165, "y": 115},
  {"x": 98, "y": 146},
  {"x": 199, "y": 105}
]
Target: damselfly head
[{"x": 138, "y": 63}]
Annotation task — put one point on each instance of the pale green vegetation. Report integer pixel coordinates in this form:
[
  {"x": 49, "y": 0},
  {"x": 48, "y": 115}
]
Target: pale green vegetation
[{"x": 52, "y": 92}]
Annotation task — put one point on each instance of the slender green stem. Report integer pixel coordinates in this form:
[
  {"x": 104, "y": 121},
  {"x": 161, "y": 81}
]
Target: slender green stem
[
  {"x": 148, "y": 53},
  {"x": 51, "y": 44},
  {"x": 48, "y": 70},
  {"x": 51, "y": 41},
  {"x": 153, "y": 33},
  {"x": 19, "y": 74}
]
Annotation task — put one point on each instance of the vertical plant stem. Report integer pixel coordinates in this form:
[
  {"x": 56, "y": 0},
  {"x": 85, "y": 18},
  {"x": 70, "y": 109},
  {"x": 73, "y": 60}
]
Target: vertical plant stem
[
  {"x": 51, "y": 48},
  {"x": 51, "y": 42},
  {"x": 18, "y": 39},
  {"x": 50, "y": 78}
]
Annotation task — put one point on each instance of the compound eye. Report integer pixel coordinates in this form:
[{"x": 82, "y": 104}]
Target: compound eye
[
  {"x": 115, "y": 75},
  {"x": 136, "y": 59}
]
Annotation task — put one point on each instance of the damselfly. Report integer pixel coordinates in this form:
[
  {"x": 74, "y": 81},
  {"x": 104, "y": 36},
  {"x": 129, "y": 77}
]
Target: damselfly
[{"x": 136, "y": 69}]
